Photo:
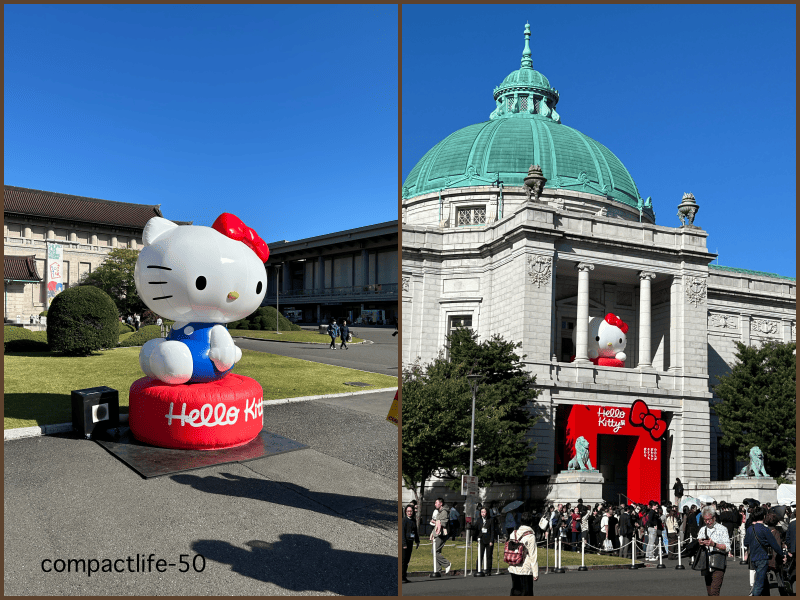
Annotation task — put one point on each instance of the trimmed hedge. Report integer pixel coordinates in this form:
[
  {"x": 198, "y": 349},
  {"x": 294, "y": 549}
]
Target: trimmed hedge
[
  {"x": 125, "y": 328},
  {"x": 145, "y": 333},
  {"x": 82, "y": 319},
  {"x": 17, "y": 334},
  {"x": 264, "y": 319}
]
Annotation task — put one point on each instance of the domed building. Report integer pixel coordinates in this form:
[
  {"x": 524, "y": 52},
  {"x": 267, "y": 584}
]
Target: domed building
[{"x": 523, "y": 226}]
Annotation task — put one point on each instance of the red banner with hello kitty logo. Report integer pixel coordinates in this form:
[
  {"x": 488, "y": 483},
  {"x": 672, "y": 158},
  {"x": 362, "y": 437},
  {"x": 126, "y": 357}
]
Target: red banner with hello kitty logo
[{"x": 645, "y": 429}]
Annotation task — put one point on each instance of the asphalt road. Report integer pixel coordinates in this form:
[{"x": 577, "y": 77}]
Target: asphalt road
[
  {"x": 617, "y": 582},
  {"x": 380, "y": 356},
  {"x": 311, "y": 522}
]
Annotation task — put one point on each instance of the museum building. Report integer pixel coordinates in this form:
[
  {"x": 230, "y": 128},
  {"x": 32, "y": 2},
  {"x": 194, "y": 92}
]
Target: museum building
[
  {"x": 525, "y": 227},
  {"x": 84, "y": 229}
]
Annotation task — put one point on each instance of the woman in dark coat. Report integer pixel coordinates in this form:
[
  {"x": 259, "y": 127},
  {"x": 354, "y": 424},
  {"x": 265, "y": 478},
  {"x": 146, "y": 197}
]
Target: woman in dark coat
[
  {"x": 487, "y": 536},
  {"x": 410, "y": 538}
]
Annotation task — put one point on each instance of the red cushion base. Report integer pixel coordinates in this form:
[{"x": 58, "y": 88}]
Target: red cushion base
[
  {"x": 200, "y": 416},
  {"x": 609, "y": 362}
]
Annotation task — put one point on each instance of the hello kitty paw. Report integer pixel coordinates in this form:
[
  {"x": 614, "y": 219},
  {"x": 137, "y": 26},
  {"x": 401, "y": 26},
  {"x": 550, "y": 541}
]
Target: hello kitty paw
[
  {"x": 223, "y": 352},
  {"x": 167, "y": 360},
  {"x": 621, "y": 356}
]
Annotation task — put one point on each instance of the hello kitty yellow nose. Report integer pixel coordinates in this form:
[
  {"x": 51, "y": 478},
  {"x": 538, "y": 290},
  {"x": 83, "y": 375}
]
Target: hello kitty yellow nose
[
  {"x": 233, "y": 295},
  {"x": 610, "y": 344}
]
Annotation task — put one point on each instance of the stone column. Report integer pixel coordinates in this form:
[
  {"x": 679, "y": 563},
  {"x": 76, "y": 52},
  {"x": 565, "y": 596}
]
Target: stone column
[
  {"x": 645, "y": 351},
  {"x": 675, "y": 314},
  {"x": 582, "y": 325},
  {"x": 745, "y": 331}
]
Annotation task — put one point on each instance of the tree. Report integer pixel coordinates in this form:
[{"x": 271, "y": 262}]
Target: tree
[
  {"x": 81, "y": 320},
  {"x": 759, "y": 400},
  {"x": 437, "y": 410},
  {"x": 115, "y": 278}
]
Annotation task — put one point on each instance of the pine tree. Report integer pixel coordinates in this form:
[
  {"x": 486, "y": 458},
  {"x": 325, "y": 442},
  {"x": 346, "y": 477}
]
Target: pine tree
[
  {"x": 759, "y": 401},
  {"x": 437, "y": 411}
]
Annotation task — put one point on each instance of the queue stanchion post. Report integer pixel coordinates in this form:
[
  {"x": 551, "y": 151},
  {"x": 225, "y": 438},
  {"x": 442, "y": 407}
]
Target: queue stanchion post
[
  {"x": 547, "y": 552},
  {"x": 559, "y": 568},
  {"x": 433, "y": 550},
  {"x": 660, "y": 564},
  {"x": 477, "y": 572},
  {"x": 497, "y": 552},
  {"x": 633, "y": 552},
  {"x": 583, "y": 566},
  {"x": 679, "y": 566}
]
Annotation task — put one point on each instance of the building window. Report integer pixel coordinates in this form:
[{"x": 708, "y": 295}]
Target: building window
[
  {"x": 455, "y": 323},
  {"x": 510, "y": 103},
  {"x": 523, "y": 104},
  {"x": 472, "y": 216},
  {"x": 536, "y": 106}
]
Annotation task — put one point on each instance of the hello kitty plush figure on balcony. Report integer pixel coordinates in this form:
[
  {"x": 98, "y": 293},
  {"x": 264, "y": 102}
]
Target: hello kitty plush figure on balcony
[
  {"x": 607, "y": 340},
  {"x": 200, "y": 277}
]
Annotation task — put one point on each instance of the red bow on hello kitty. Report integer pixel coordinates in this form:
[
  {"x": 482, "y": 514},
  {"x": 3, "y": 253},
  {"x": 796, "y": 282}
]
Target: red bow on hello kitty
[
  {"x": 613, "y": 319},
  {"x": 640, "y": 416},
  {"x": 233, "y": 227}
]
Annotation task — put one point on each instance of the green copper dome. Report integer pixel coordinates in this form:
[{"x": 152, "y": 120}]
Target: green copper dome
[{"x": 524, "y": 130}]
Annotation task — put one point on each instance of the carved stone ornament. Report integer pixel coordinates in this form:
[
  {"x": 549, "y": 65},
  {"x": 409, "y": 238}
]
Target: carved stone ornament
[
  {"x": 696, "y": 290},
  {"x": 764, "y": 326},
  {"x": 539, "y": 269},
  {"x": 687, "y": 210},
  {"x": 793, "y": 331},
  {"x": 724, "y": 321},
  {"x": 534, "y": 183},
  {"x": 406, "y": 283}
]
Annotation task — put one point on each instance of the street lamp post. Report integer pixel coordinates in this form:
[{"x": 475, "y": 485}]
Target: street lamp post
[
  {"x": 474, "y": 380},
  {"x": 277, "y": 298}
]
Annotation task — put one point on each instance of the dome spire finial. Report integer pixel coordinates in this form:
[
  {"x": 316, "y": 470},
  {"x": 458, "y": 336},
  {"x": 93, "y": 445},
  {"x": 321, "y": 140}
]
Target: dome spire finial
[{"x": 527, "y": 63}]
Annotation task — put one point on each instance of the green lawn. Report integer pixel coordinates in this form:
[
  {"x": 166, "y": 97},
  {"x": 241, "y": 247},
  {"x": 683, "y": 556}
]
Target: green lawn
[
  {"x": 37, "y": 385},
  {"x": 288, "y": 336},
  {"x": 422, "y": 559}
]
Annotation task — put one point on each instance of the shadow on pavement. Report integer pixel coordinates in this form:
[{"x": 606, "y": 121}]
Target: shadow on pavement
[
  {"x": 42, "y": 407},
  {"x": 372, "y": 512},
  {"x": 303, "y": 563}
]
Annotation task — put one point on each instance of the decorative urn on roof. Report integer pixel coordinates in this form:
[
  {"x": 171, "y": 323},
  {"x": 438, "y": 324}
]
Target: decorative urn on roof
[
  {"x": 534, "y": 182},
  {"x": 687, "y": 209}
]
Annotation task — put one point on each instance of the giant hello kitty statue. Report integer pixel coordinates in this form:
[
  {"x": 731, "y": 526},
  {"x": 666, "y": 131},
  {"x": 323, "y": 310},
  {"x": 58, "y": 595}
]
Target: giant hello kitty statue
[
  {"x": 201, "y": 277},
  {"x": 607, "y": 340}
]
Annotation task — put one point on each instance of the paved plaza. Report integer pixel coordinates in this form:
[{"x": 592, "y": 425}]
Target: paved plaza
[{"x": 321, "y": 520}]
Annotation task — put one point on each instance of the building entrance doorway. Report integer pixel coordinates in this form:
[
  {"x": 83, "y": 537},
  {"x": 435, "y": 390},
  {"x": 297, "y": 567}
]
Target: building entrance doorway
[{"x": 614, "y": 453}]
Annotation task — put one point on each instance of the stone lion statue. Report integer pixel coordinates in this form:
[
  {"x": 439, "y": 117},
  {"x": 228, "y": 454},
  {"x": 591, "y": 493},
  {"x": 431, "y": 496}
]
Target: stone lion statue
[
  {"x": 756, "y": 464},
  {"x": 581, "y": 461}
]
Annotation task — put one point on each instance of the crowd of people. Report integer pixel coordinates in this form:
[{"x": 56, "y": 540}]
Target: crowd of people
[{"x": 767, "y": 534}]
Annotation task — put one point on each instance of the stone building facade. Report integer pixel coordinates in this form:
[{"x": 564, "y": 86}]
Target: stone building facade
[
  {"x": 494, "y": 243},
  {"x": 87, "y": 229},
  {"x": 349, "y": 274}
]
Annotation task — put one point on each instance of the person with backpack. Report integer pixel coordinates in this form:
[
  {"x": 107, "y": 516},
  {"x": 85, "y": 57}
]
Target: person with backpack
[
  {"x": 333, "y": 332},
  {"x": 678, "y": 490},
  {"x": 522, "y": 557},
  {"x": 758, "y": 541}
]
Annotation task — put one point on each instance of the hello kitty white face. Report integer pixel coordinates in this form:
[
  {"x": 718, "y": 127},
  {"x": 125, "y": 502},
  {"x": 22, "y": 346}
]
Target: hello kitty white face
[
  {"x": 610, "y": 339},
  {"x": 196, "y": 274}
]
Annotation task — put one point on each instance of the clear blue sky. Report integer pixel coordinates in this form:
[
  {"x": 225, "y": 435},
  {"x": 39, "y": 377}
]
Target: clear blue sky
[
  {"x": 283, "y": 115},
  {"x": 697, "y": 99}
]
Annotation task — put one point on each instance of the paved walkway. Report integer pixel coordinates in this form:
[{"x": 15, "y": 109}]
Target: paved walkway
[{"x": 316, "y": 521}]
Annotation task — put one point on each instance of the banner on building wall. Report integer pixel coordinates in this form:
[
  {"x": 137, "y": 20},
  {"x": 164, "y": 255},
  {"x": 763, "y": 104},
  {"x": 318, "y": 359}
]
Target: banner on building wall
[
  {"x": 641, "y": 459},
  {"x": 54, "y": 267}
]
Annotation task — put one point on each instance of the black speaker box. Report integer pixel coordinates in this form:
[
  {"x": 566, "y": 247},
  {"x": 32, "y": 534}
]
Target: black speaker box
[{"x": 95, "y": 410}]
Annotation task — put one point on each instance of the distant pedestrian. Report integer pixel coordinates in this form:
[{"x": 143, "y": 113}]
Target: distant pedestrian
[
  {"x": 523, "y": 576},
  {"x": 439, "y": 536},
  {"x": 138, "y": 320},
  {"x": 453, "y": 521},
  {"x": 410, "y": 538},
  {"x": 31, "y": 319},
  {"x": 345, "y": 331},
  {"x": 332, "y": 331},
  {"x": 160, "y": 324},
  {"x": 678, "y": 490},
  {"x": 486, "y": 536}
]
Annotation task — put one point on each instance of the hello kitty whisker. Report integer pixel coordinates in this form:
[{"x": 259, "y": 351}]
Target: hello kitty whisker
[
  {"x": 158, "y": 267},
  {"x": 162, "y": 297},
  {"x": 156, "y": 282}
]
